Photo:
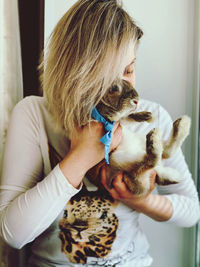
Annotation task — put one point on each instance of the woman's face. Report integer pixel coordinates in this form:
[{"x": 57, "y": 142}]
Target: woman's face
[{"x": 129, "y": 71}]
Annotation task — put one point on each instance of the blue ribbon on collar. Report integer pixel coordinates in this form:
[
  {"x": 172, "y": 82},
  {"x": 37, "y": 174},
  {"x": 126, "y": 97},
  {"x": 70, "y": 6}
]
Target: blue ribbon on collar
[{"x": 106, "y": 139}]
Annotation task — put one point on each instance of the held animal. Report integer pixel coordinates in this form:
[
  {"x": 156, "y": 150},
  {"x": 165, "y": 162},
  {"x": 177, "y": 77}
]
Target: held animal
[{"x": 137, "y": 154}]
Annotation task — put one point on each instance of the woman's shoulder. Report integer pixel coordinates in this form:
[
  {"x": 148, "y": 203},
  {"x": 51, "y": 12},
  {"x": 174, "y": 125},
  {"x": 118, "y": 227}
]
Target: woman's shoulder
[
  {"x": 29, "y": 102},
  {"x": 31, "y": 112},
  {"x": 32, "y": 106}
]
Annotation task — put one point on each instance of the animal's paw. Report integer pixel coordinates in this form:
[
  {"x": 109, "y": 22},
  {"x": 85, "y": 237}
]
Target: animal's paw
[
  {"x": 141, "y": 116},
  {"x": 181, "y": 127},
  {"x": 154, "y": 142},
  {"x": 167, "y": 176},
  {"x": 137, "y": 185},
  {"x": 146, "y": 116},
  {"x": 180, "y": 131}
]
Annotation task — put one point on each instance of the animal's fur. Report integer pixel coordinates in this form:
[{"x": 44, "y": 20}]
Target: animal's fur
[{"x": 138, "y": 154}]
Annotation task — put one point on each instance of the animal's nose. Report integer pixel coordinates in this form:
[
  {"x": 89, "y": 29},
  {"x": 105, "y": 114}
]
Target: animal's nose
[{"x": 134, "y": 102}]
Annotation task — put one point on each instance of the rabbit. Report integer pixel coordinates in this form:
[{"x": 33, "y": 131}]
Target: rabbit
[{"x": 137, "y": 154}]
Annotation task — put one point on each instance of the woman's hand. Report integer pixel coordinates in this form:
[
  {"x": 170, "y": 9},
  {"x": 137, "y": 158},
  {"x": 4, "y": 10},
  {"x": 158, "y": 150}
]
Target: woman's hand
[
  {"x": 155, "y": 206},
  {"x": 87, "y": 142},
  {"x": 122, "y": 193},
  {"x": 86, "y": 151}
]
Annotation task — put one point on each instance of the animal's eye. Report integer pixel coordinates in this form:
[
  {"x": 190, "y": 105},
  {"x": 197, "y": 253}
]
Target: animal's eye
[{"x": 114, "y": 89}]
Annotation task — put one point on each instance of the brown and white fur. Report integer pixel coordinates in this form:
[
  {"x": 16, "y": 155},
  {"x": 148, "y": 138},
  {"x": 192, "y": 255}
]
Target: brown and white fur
[{"x": 138, "y": 154}]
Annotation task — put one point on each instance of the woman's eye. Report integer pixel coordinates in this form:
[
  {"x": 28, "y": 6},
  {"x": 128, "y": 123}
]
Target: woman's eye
[{"x": 128, "y": 71}]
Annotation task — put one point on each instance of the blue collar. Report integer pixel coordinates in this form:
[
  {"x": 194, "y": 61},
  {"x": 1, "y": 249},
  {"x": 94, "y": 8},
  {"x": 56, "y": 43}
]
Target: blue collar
[{"x": 106, "y": 139}]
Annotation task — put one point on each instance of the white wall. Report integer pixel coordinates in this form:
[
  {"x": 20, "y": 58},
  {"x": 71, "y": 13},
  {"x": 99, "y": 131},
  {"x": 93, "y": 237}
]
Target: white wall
[
  {"x": 165, "y": 70},
  {"x": 165, "y": 56}
]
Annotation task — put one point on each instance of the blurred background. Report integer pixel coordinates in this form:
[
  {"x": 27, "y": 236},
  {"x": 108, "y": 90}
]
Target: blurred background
[{"x": 167, "y": 71}]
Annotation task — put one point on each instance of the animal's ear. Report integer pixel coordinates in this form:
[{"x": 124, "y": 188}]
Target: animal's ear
[{"x": 141, "y": 116}]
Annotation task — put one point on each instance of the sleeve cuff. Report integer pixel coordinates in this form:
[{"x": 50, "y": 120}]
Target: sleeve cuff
[{"x": 64, "y": 182}]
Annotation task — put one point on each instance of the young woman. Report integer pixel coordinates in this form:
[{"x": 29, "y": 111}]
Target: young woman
[{"x": 45, "y": 196}]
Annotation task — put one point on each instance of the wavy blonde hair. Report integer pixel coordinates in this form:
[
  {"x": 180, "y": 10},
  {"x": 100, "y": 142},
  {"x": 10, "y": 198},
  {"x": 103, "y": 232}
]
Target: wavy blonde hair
[{"x": 84, "y": 56}]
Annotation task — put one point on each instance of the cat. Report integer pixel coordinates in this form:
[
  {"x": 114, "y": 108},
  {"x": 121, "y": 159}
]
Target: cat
[{"x": 137, "y": 154}]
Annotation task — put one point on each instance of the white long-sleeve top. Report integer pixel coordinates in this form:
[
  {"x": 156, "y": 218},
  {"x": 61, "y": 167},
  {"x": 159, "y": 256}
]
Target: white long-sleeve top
[{"x": 34, "y": 194}]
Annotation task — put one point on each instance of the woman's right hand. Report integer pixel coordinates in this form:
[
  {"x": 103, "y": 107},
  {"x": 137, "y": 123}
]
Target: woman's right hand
[
  {"x": 86, "y": 151},
  {"x": 87, "y": 142}
]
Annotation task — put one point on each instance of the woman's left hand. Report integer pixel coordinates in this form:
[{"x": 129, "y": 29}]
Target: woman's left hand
[
  {"x": 122, "y": 193},
  {"x": 156, "y": 206}
]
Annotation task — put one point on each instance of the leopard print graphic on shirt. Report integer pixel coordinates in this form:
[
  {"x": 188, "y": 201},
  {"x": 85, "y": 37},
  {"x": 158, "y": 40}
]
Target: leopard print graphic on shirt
[{"x": 88, "y": 226}]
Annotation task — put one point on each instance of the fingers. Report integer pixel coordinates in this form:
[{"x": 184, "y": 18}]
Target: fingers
[
  {"x": 95, "y": 128},
  {"x": 119, "y": 190},
  {"x": 116, "y": 125},
  {"x": 152, "y": 178},
  {"x": 117, "y": 136},
  {"x": 153, "y": 175},
  {"x": 112, "y": 191},
  {"x": 119, "y": 185}
]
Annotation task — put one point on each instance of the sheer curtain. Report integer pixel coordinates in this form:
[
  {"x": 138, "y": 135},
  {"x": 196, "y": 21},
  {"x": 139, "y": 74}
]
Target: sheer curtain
[{"x": 11, "y": 89}]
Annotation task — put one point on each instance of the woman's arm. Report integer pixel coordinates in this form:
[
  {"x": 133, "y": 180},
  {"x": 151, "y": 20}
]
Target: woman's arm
[
  {"x": 29, "y": 201},
  {"x": 86, "y": 151},
  {"x": 183, "y": 196}
]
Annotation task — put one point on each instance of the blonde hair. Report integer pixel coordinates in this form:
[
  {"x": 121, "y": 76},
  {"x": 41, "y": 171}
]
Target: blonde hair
[{"x": 84, "y": 56}]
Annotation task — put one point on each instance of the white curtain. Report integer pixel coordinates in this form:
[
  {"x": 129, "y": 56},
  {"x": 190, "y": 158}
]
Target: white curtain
[{"x": 11, "y": 87}]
